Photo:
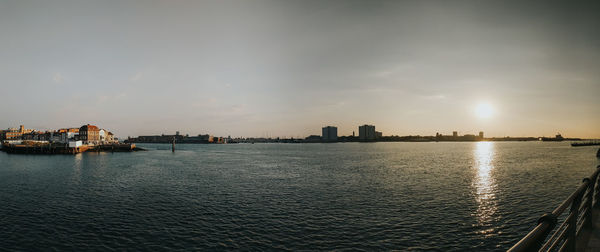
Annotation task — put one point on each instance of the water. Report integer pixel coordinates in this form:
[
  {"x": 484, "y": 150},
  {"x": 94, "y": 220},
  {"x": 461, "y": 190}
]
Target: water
[{"x": 367, "y": 196}]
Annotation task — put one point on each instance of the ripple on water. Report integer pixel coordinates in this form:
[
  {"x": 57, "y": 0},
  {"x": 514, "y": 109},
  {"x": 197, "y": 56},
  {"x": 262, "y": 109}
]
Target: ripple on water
[{"x": 375, "y": 196}]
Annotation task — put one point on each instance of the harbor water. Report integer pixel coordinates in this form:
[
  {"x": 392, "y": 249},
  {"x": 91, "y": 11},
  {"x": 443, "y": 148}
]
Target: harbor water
[{"x": 446, "y": 196}]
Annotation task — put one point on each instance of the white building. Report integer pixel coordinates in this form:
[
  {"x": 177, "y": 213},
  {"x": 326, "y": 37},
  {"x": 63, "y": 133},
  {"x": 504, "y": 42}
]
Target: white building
[
  {"x": 103, "y": 133},
  {"x": 75, "y": 144},
  {"x": 65, "y": 137}
]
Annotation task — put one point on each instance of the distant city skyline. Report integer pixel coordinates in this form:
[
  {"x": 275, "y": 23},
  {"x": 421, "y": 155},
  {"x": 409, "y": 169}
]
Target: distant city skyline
[
  {"x": 328, "y": 134},
  {"x": 289, "y": 68}
]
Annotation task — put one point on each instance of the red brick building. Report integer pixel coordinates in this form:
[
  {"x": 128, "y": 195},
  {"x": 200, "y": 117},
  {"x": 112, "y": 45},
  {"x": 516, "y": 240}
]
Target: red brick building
[{"x": 89, "y": 134}]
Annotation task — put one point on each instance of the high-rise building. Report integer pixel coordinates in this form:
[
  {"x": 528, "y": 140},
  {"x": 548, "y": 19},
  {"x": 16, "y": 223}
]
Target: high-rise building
[
  {"x": 329, "y": 134},
  {"x": 455, "y": 133},
  {"x": 366, "y": 132},
  {"x": 480, "y": 134}
]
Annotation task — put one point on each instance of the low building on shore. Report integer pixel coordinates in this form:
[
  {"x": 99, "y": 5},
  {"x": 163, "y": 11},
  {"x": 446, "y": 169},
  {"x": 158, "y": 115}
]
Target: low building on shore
[
  {"x": 37, "y": 136},
  {"x": 75, "y": 144},
  {"x": 200, "y": 139},
  {"x": 14, "y": 133},
  {"x": 89, "y": 135},
  {"x": 312, "y": 139},
  {"x": 456, "y": 137}
]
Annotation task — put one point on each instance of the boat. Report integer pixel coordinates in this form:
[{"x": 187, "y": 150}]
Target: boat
[{"x": 557, "y": 138}]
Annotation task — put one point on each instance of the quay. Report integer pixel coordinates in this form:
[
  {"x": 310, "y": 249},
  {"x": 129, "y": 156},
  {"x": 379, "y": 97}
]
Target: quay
[
  {"x": 589, "y": 143},
  {"x": 62, "y": 141},
  {"x": 53, "y": 148},
  {"x": 580, "y": 229}
]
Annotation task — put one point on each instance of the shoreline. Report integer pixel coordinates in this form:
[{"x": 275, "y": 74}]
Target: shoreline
[{"x": 63, "y": 149}]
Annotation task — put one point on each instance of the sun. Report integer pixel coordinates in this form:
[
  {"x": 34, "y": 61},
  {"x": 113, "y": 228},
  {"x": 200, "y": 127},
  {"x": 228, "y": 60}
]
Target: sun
[{"x": 484, "y": 110}]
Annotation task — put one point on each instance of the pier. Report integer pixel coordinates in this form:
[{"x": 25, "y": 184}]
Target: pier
[
  {"x": 588, "y": 143},
  {"x": 579, "y": 226}
]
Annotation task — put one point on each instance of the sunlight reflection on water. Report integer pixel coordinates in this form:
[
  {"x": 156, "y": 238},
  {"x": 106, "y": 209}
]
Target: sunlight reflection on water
[
  {"x": 485, "y": 185},
  {"x": 445, "y": 196}
]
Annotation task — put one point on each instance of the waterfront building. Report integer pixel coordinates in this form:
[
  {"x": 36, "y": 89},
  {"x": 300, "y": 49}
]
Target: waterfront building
[
  {"x": 454, "y": 133},
  {"x": 89, "y": 134},
  {"x": 110, "y": 137},
  {"x": 103, "y": 135},
  {"x": 178, "y": 138},
  {"x": 67, "y": 136},
  {"x": 329, "y": 134},
  {"x": 366, "y": 132},
  {"x": 378, "y": 134},
  {"x": 481, "y": 134},
  {"x": 107, "y": 136},
  {"x": 469, "y": 137},
  {"x": 198, "y": 139},
  {"x": 64, "y": 136},
  {"x": 14, "y": 133},
  {"x": 312, "y": 139},
  {"x": 37, "y": 136},
  {"x": 73, "y": 130},
  {"x": 75, "y": 144},
  {"x": 156, "y": 139}
]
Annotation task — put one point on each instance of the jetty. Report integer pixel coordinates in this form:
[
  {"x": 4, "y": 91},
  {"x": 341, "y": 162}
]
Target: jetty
[
  {"x": 589, "y": 143},
  {"x": 579, "y": 226},
  {"x": 38, "y": 147}
]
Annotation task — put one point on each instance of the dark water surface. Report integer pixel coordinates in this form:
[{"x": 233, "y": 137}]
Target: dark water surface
[{"x": 369, "y": 196}]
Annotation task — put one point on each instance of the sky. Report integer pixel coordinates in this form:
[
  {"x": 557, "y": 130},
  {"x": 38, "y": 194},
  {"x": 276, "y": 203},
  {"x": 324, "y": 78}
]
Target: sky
[{"x": 287, "y": 68}]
